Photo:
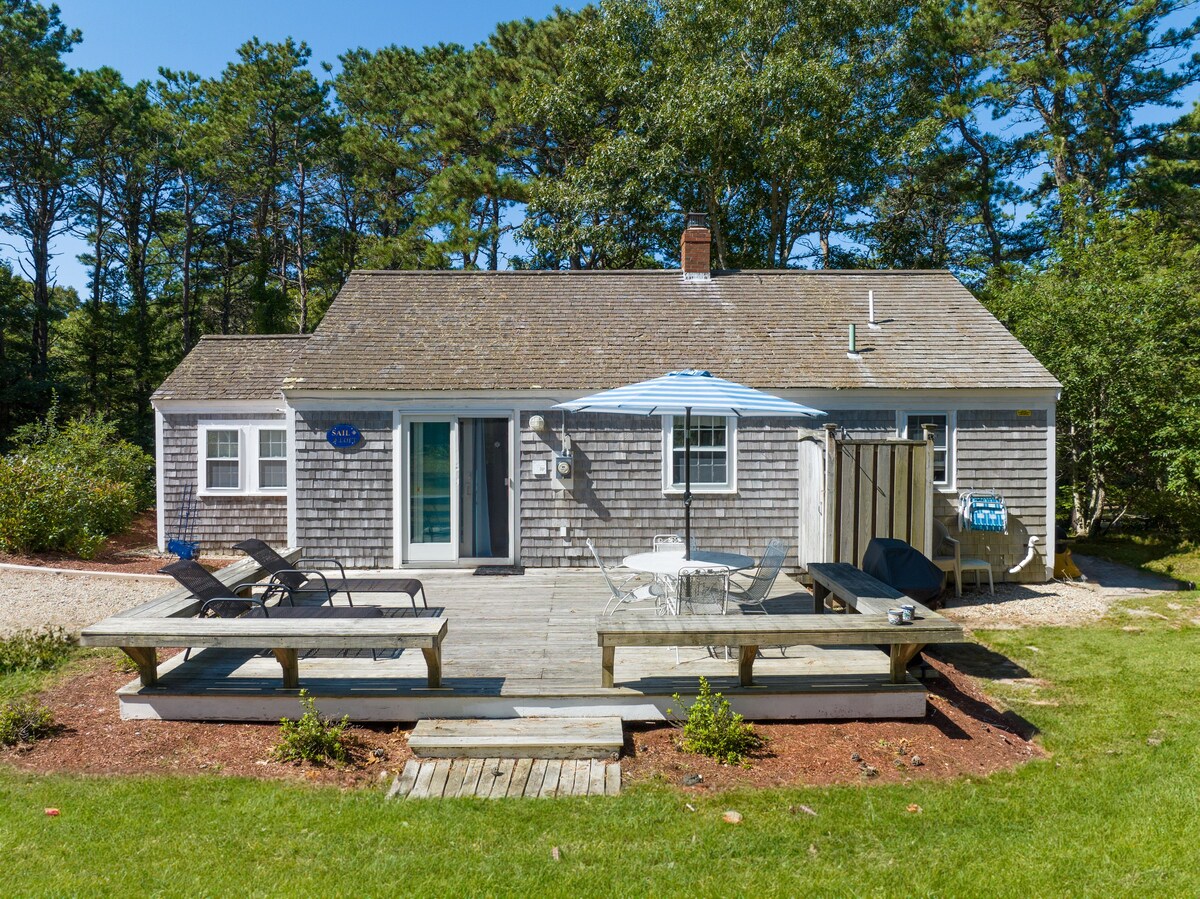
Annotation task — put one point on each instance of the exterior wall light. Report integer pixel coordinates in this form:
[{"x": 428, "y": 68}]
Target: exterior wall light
[{"x": 537, "y": 424}]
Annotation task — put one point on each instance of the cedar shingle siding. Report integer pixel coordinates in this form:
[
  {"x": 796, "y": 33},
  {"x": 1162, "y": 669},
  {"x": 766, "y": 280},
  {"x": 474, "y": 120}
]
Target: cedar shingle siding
[
  {"x": 221, "y": 521},
  {"x": 618, "y": 499},
  {"x": 999, "y": 450},
  {"x": 344, "y": 496}
]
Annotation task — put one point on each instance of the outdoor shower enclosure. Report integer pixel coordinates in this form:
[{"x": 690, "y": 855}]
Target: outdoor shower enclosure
[{"x": 853, "y": 490}]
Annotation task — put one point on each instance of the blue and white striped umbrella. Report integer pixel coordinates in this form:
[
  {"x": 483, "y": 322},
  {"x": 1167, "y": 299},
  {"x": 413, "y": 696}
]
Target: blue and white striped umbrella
[
  {"x": 692, "y": 391},
  {"x": 688, "y": 393}
]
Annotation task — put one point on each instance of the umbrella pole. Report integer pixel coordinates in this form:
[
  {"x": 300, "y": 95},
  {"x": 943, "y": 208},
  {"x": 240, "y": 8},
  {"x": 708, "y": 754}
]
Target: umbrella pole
[{"x": 687, "y": 483}]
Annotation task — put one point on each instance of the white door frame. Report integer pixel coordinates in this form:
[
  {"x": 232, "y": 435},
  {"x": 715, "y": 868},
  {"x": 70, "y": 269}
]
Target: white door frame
[
  {"x": 402, "y": 472},
  {"x": 428, "y": 552}
]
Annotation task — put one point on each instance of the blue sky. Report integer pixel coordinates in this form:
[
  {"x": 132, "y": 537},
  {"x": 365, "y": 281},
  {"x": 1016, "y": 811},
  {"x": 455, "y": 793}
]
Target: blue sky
[{"x": 137, "y": 36}]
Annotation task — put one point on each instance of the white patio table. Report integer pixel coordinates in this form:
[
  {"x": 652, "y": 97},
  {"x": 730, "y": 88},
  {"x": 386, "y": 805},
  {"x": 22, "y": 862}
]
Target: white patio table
[{"x": 667, "y": 564}]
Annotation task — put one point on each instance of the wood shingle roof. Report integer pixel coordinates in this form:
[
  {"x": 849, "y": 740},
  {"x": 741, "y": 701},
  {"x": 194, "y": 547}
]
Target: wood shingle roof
[
  {"x": 587, "y": 331},
  {"x": 243, "y": 367}
]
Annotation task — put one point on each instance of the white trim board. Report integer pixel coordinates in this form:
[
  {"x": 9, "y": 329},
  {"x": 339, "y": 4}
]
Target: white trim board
[
  {"x": 540, "y": 400},
  {"x": 1051, "y": 490},
  {"x": 160, "y": 486},
  {"x": 293, "y": 514},
  {"x": 220, "y": 407}
]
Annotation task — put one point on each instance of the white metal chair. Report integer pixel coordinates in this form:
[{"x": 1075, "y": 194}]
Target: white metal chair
[
  {"x": 667, "y": 542},
  {"x": 625, "y": 591},
  {"x": 755, "y": 592},
  {"x": 702, "y": 591}
]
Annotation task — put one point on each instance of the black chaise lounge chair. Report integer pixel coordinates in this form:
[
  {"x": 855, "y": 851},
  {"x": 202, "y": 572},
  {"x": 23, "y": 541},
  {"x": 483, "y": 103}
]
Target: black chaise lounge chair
[
  {"x": 300, "y": 580},
  {"x": 223, "y": 602}
]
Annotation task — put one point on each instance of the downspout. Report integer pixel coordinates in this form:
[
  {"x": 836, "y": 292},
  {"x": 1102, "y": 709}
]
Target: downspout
[{"x": 1028, "y": 557}]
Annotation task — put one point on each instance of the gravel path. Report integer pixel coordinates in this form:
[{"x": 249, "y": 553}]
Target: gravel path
[
  {"x": 33, "y": 601},
  {"x": 1059, "y": 602}
]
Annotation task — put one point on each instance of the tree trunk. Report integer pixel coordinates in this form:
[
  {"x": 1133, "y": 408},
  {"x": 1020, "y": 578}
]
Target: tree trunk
[
  {"x": 227, "y": 276},
  {"x": 1097, "y": 497},
  {"x": 185, "y": 311},
  {"x": 986, "y": 213},
  {"x": 494, "y": 246},
  {"x": 96, "y": 309},
  {"x": 301, "y": 198},
  {"x": 40, "y": 347}
]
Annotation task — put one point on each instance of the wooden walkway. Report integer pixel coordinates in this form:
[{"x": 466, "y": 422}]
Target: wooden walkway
[{"x": 506, "y": 778}]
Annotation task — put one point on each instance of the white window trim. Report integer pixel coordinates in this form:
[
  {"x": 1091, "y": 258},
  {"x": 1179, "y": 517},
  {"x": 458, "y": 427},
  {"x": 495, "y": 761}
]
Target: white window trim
[
  {"x": 948, "y": 486},
  {"x": 729, "y": 487},
  {"x": 248, "y": 459}
]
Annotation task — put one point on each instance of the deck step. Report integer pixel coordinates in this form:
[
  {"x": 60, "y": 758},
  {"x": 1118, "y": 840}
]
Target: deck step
[
  {"x": 518, "y": 738},
  {"x": 498, "y": 778}
]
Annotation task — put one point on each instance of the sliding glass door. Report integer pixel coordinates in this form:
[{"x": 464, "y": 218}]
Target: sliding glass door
[{"x": 458, "y": 490}]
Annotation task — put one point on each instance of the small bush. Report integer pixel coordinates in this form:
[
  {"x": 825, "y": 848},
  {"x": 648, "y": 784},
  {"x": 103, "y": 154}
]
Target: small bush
[
  {"x": 22, "y": 721},
  {"x": 712, "y": 728},
  {"x": 34, "y": 650},
  {"x": 69, "y": 488},
  {"x": 313, "y": 737}
]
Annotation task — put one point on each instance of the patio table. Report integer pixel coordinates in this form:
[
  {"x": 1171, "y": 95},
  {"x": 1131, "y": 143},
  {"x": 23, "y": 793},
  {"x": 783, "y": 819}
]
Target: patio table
[{"x": 666, "y": 564}]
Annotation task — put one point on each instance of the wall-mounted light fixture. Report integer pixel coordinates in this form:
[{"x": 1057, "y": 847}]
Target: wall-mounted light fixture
[{"x": 537, "y": 424}]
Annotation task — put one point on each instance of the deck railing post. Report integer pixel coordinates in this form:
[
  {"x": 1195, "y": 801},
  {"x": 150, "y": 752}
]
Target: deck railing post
[{"x": 832, "y": 504}]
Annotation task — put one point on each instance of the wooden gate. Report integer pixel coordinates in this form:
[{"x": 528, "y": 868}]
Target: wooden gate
[{"x": 853, "y": 490}]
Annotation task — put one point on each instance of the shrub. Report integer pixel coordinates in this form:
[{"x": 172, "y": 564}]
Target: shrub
[
  {"x": 712, "y": 728},
  {"x": 69, "y": 488},
  {"x": 313, "y": 737},
  {"x": 34, "y": 651},
  {"x": 23, "y": 721}
]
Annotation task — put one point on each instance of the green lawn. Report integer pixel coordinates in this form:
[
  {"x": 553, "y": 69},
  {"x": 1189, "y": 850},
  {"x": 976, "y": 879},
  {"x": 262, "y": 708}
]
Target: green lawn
[{"x": 1109, "y": 813}]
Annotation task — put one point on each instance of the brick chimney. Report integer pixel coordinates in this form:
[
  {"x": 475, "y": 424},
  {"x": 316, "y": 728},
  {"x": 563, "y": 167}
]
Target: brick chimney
[{"x": 695, "y": 248}]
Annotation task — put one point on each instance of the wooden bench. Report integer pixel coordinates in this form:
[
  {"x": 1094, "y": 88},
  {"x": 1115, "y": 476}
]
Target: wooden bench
[
  {"x": 140, "y": 637},
  {"x": 749, "y": 632},
  {"x": 856, "y": 589},
  {"x": 867, "y": 595}
]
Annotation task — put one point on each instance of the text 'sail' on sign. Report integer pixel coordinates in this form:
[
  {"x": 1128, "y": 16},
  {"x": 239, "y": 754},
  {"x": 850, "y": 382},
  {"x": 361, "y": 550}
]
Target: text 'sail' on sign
[{"x": 343, "y": 436}]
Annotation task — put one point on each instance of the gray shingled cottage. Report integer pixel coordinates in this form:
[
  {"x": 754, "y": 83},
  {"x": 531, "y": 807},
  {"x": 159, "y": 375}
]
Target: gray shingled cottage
[{"x": 446, "y": 382}]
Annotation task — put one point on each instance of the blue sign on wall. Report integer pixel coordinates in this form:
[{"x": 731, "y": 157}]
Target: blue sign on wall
[{"x": 343, "y": 436}]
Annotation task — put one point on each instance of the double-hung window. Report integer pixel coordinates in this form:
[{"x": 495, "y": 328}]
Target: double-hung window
[
  {"x": 272, "y": 459},
  {"x": 223, "y": 459},
  {"x": 910, "y": 429},
  {"x": 242, "y": 459},
  {"x": 713, "y": 456}
]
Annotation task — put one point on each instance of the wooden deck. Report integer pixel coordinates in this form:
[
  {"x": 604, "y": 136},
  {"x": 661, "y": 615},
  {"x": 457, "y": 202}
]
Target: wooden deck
[{"x": 525, "y": 646}]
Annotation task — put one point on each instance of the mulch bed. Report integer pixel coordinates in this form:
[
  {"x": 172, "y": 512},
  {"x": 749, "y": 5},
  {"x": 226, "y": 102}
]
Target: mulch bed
[
  {"x": 94, "y": 740},
  {"x": 134, "y": 551},
  {"x": 962, "y": 734}
]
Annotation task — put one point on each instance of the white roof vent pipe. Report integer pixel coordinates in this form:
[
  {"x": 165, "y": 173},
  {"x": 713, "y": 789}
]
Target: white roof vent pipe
[{"x": 872, "y": 322}]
